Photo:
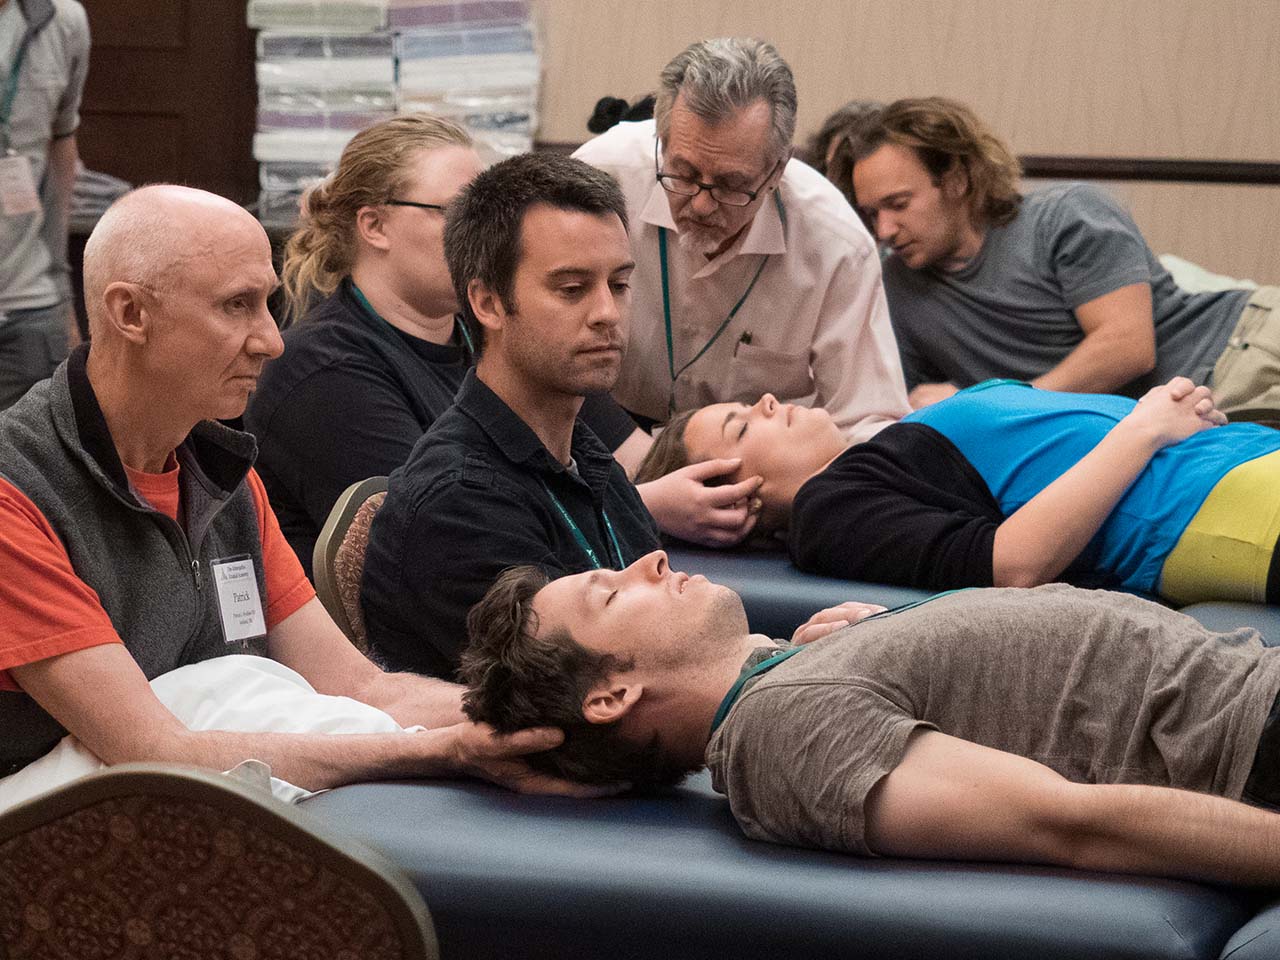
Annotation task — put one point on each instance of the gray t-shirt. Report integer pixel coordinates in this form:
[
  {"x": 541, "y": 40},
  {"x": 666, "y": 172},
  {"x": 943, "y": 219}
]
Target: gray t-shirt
[
  {"x": 1091, "y": 683},
  {"x": 46, "y": 106},
  {"x": 1009, "y": 312}
]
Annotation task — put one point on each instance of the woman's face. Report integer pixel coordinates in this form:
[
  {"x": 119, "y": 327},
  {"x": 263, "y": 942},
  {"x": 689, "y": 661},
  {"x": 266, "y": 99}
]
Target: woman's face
[
  {"x": 783, "y": 443},
  {"x": 415, "y": 236}
]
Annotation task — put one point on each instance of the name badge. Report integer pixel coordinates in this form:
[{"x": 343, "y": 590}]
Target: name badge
[
  {"x": 18, "y": 196},
  {"x": 238, "y": 600}
]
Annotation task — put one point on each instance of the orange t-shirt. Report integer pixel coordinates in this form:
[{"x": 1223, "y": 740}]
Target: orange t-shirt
[{"x": 46, "y": 610}]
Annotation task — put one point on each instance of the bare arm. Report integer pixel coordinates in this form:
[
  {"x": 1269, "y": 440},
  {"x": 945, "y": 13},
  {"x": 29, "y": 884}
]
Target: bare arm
[
  {"x": 1039, "y": 540},
  {"x": 1119, "y": 344},
  {"x": 61, "y": 173},
  {"x": 309, "y": 642},
  {"x": 952, "y": 799},
  {"x": 926, "y": 394},
  {"x": 632, "y": 451},
  {"x": 124, "y": 721}
]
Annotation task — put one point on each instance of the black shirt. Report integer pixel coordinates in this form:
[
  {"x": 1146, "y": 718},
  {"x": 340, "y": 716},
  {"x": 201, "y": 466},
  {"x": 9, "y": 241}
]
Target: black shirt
[
  {"x": 904, "y": 507},
  {"x": 347, "y": 400},
  {"x": 475, "y": 498}
]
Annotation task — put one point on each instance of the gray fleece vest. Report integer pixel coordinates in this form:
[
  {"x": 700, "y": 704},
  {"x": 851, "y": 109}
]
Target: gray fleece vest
[{"x": 151, "y": 574}]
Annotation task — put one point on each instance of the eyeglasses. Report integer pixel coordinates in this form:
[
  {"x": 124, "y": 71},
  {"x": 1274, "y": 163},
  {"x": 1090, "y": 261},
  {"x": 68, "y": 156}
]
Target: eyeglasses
[
  {"x": 684, "y": 187},
  {"x": 414, "y": 203}
]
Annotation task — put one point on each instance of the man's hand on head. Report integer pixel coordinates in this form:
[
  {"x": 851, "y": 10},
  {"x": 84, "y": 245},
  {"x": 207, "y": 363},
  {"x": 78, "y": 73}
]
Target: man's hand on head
[
  {"x": 685, "y": 506},
  {"x": 929, "y": 393},
  {"x": 830, "y": 620},
  {"x": 480, "y": 751}
]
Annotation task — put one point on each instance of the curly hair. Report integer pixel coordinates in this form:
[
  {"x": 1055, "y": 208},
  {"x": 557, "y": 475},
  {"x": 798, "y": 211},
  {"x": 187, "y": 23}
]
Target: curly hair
[
  {"x": 372, "y": 170},
  {"x": 517, "y": 678},
  {"x": 946, "y": 135}
]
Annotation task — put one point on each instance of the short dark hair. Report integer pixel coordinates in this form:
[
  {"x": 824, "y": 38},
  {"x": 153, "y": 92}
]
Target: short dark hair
[
  {"x": 483, "y": 224},
  {"x": 945, "y": 135},
  {"x": 517, "y": 679},
  {"x": 831, "y": 151}
]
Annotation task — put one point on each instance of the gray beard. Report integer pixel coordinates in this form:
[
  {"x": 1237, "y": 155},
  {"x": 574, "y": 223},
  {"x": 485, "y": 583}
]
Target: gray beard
[{"x": 697, "y": 240}]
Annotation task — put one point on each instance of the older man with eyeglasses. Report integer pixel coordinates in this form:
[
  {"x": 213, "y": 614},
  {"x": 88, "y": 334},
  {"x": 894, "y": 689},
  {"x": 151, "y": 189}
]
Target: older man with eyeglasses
[{"x": 753, "y": 274}]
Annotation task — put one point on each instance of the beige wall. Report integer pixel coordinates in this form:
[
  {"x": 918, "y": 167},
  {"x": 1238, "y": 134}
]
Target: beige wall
[{"x": 1140, "y": 78}]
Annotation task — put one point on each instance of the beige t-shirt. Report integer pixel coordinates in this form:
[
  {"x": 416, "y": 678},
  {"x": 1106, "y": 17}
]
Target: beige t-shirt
[{"x": 1102, "y": 687}]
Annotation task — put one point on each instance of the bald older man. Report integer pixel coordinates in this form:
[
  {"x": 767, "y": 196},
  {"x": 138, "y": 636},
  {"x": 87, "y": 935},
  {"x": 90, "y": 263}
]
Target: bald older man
[{"x": 135, "y": 537}]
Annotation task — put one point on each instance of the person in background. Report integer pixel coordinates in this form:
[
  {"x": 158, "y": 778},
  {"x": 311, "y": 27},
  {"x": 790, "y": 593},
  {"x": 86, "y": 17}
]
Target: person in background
[
  {"x": 830, "y": 151},
  {"x": 752, "y": 273},
  {"x": 44, "y": 58},
  {"x": 378, "y": 350},
  {"x": 1057, "y": 287}
]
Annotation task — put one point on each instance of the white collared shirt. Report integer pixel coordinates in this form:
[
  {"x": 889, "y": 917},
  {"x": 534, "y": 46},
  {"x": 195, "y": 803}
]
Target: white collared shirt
[{"x": 815, "y": 329}]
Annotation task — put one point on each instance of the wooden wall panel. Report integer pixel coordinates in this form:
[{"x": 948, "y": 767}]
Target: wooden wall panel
[
  {"x": 1170, "y": 79},
  {"x": 171, "y": 94},
  {"x": 1225, "y": 228},
  {"x": 1151, "y": 78}
]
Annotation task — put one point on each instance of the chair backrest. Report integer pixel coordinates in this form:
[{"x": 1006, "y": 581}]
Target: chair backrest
[
  {"x": 338, "y": 561},
  {"x": 159, "y": 859}
]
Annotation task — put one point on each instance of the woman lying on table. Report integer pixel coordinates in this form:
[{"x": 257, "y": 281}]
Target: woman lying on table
[{"x": 1007, "y": 485}]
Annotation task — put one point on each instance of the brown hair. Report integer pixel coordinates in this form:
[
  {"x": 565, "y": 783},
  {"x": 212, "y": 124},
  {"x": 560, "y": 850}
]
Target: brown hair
[
  {"x": 946, "y": 135},
  {"x": 517, "y": 679},
  {"x": 831, "y": 150},
  {"x": 371, "y": 171},
  {"x": 668, "y": 453},
  {"x": 485, "y": 224}
]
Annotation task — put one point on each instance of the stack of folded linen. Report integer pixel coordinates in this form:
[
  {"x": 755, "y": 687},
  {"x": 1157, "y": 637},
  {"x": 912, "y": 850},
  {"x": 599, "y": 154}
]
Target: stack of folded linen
[
  {"x": 475, "y": 62},
  {"x": 329, "y": 68},
  {"x": 315, "y": 92},
  {"x": 302, "y": 16}
]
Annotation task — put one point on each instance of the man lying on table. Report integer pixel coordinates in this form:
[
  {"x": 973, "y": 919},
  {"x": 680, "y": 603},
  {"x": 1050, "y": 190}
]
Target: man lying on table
[{"x": 1046, "y": 725}]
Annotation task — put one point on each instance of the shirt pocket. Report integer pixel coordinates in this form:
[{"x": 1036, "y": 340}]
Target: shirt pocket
[
  {"x": 756, "y": 370},
  {"x": 34, "y": 108}
]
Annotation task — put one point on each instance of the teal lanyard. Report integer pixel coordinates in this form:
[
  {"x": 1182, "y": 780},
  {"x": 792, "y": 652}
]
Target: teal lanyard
[
  {"x": 765, "y": 665},
  {"x": 666, "y": 306},
  {"x": 365, "y": 305},
  {"x": 735, "y": 691},
  {"x": 582, "y": 540},
  {"x": 11, "y": 90}
]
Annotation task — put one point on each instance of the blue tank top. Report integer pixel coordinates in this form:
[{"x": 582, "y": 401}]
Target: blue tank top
[{"x": 1020, "y": 439}]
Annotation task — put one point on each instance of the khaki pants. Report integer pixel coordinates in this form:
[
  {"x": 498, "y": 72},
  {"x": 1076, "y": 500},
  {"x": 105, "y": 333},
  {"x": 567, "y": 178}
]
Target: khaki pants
[{"x": 1247, "y": 374}]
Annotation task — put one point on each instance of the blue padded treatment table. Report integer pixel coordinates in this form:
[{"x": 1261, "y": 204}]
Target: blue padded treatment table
[
  {"x": 671, "y": 876},
  {"x": 776, "y": 596},
  {"x": 1259, "y": 939},
  {"x": 1223, "y": 615}
]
